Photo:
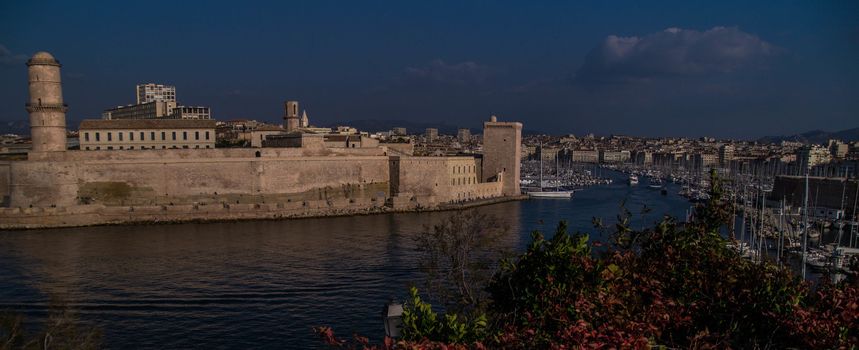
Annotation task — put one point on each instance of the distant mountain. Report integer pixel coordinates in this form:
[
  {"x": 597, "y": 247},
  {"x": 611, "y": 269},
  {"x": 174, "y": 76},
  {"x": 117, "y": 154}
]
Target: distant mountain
[
  {"x": 815, "y": 136},
  {"x": 18, "y": 127},
  {"x": 373, "y": 125}
]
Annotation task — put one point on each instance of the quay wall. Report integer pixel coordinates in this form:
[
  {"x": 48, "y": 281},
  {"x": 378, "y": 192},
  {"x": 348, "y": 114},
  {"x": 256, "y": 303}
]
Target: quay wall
[{"x": 95, "y": 214}]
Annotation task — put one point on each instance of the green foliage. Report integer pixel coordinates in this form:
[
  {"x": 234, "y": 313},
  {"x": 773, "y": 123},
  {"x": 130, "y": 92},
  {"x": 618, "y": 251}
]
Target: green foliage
[
  {"x": 421, "y": 322},
  {"x": 669, "y": 286}
]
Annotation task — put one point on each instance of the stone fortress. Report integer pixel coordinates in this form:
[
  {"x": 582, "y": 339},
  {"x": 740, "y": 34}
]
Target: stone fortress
[{"x": 56, "y": 187}]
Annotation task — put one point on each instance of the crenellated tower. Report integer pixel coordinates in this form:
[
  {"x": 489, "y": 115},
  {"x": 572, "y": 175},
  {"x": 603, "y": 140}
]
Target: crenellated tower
[{"x": 46, "y": 107}]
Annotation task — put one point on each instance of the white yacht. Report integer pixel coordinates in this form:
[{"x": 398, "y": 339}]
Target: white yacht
[{"x": 633, "y": 179}]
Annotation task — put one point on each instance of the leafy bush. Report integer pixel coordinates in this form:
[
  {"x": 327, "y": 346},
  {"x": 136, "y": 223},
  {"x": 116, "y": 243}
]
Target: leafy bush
[{"x": 673, "y": 285}]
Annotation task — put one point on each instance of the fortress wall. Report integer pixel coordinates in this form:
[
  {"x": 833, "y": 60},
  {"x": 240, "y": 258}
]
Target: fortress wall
[
  {"x": 479, "y": 191},
  {"x": 433, "y": 180},
  {"x": 5, "y": 182},
  {"x": 199, "y": 179},
  {"x": 197, "y": 154}
]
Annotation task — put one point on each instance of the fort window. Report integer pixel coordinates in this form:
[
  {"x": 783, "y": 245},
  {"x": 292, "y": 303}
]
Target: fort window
[
  {"x": 196, "y": 135},
  {"x": 120, "y": 135},
  {"x": 130, "y": 147},
  {"x": 86, "y": 136},
  {"x": 109, "y": 147},
  {"x": 163, "y": 136},
  {"x": 185, "y": 146},
  {"x": 207, "y": 136},
  {"x": 98, "y": 148},
  {"x": 142, "y": 136},
  {"x": 87, "y": 148},
  {"x": 151, "y": 135},
  {"x": 207, "y": 146},
  {"x": 258, "y": 154},
  {"x": 109, "y": 137},
  {"x": 174, "y": 136},
  {"x": 130, "y": 136},
  {"x": 184, "y": 135},
  {"x": 120, "y": 147}
]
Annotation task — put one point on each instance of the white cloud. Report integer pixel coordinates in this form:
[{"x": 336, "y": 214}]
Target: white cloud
[{"x": 674, "y": 52}]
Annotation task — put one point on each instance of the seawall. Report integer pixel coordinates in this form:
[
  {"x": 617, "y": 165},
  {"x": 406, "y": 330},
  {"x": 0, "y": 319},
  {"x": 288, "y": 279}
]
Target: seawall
[{"x": 96, "y": 215}]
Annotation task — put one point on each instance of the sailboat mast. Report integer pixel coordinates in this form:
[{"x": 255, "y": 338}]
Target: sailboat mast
[
  {"x": 805, "y": 226},
  {"x": 761, "y": 246},
  {"x": 541, "y": 165}
]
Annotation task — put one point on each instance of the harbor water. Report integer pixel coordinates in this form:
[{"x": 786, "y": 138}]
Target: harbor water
[{"x": 261, "y": 284}]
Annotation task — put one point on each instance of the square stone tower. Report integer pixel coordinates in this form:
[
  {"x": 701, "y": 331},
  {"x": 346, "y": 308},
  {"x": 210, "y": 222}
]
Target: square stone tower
[
  {"x": 291, "y": 121},
  {"x": 502, "y": 152}
]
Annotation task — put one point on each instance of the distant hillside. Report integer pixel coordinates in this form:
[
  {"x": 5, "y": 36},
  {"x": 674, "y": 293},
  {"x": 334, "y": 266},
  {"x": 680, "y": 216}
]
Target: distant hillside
[
  {"x": 411, "y": 127},
  {"x": 815, "y": 136},
  {"x": 18, "y": 127}
]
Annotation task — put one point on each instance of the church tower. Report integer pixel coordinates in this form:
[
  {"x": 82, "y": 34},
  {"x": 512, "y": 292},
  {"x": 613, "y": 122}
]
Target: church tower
[
  {"x": 291, "y": 121},
  {"x": 46, "y": 108},
  {"x": 305, "y": 122}
]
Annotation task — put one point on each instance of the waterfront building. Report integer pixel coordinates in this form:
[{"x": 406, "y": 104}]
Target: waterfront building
[
  {"x": 548, "y": 153},
  {"x": 810, "y": 156},
  {"x": 829, "y": 193},
  {"x": 613, "y": 156},
  {"x": 155, "y": 92},
  {"x": 585, "y": 156},
  {"x": 703, "y": 161},
  {"x": 838, "y": 149},
  {"x": 142, "y": 134},
  {"x": 643, "y": 158},
  {"x": 726, "y": 154}
]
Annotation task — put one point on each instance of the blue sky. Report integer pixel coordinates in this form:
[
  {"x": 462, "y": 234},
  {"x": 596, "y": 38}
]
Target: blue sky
[{"x": 718, "y": 68}]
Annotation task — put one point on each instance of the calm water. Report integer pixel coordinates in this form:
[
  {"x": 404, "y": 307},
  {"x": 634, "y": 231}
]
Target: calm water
[{"x": 260, "y": 284}]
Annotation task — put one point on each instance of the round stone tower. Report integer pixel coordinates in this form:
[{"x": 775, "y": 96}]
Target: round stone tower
[{"x": 46, "y": 108}]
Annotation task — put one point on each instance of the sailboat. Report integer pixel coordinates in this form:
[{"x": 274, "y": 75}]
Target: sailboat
[{"x": 542, "y": 193}]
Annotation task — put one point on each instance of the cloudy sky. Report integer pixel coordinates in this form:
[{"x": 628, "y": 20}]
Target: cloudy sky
[{"x": 690, "y": 68}]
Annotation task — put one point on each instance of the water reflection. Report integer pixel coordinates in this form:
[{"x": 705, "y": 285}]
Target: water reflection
[{"x": 256, "y": 284}]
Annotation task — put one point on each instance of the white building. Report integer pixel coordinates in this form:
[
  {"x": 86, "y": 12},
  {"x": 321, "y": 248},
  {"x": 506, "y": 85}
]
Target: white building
[{"x": 155, "y": 92}]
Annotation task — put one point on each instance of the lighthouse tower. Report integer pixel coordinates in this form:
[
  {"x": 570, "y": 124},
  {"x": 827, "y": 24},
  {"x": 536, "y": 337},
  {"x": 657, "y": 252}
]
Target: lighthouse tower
[{"x": 46, "y": 108}]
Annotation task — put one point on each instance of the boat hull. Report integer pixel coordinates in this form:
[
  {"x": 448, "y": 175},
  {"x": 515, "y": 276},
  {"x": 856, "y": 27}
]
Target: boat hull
[{"x": 552, "y": 194}]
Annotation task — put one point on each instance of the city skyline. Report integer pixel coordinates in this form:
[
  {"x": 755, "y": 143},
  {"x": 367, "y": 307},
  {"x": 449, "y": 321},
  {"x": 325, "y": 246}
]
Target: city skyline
[{"x": 671, "y": 70}]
